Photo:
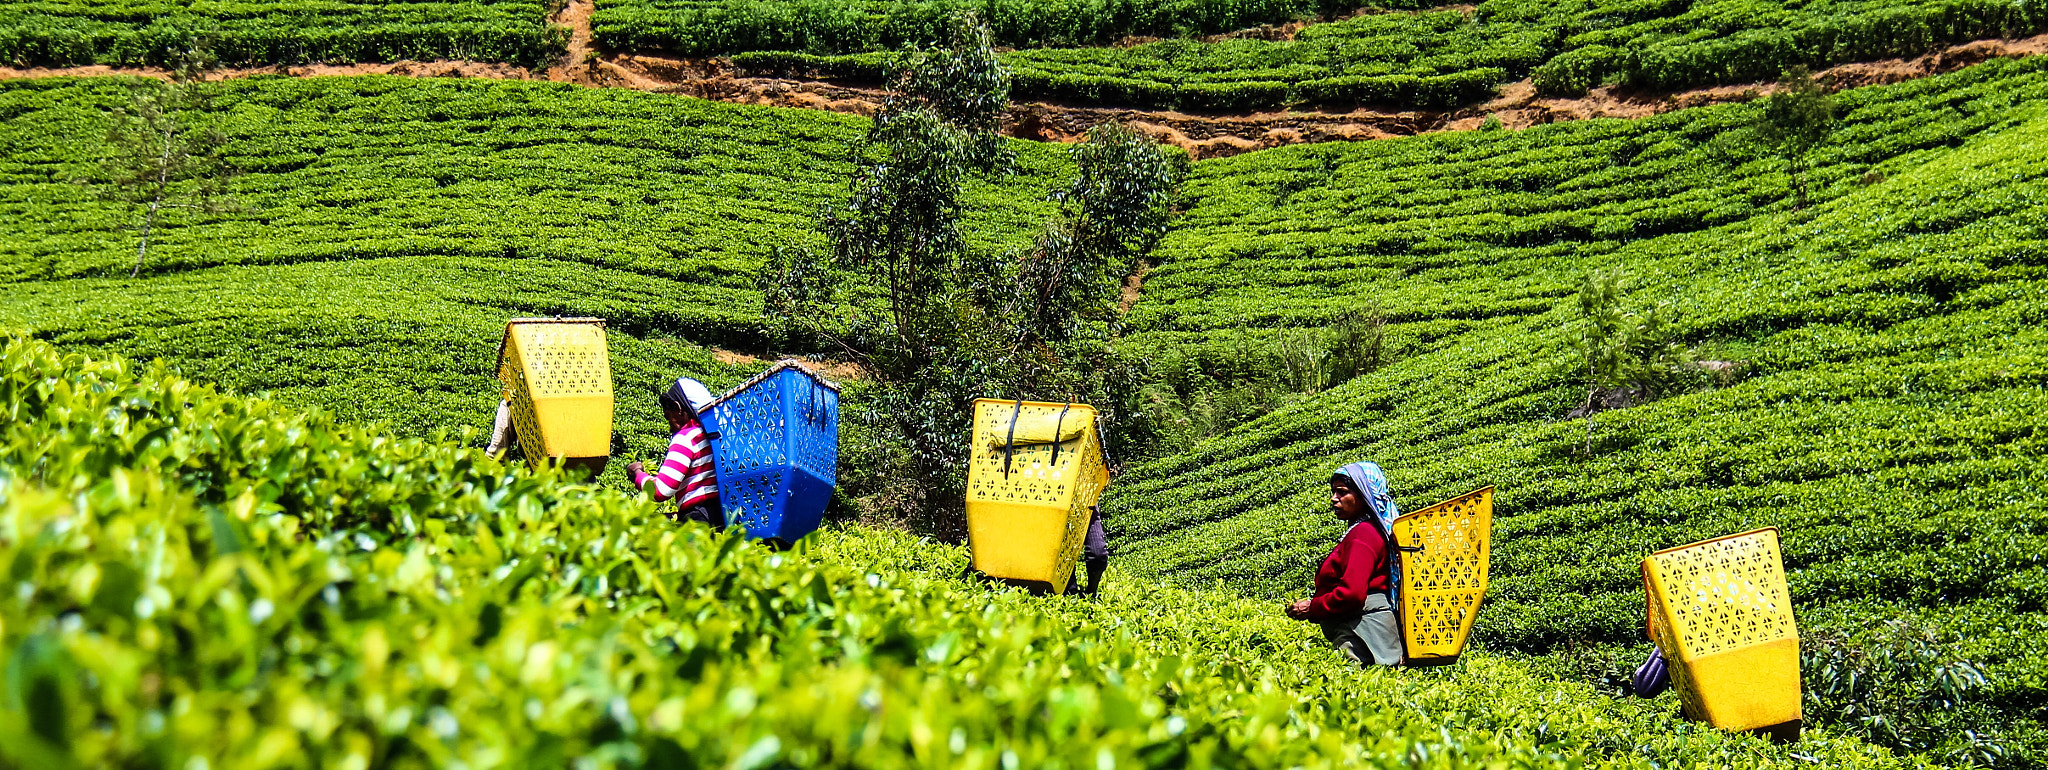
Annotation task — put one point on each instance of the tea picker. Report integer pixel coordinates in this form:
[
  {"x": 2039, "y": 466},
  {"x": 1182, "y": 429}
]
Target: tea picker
[
  {"x": 1400, "y": 590},
  {"x": 775, "y": 444},
  {"x": 556, "y": 402},
  {"x": 686, "y": 474}
]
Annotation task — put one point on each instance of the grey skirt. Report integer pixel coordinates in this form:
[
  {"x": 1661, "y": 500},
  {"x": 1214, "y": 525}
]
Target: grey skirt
[{"x": 1373, "y": 637}]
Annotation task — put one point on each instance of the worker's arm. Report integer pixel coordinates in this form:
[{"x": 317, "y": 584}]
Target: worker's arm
[
  {"x": 1359, "y": 552},
  {"x": 686, "y": 450}
]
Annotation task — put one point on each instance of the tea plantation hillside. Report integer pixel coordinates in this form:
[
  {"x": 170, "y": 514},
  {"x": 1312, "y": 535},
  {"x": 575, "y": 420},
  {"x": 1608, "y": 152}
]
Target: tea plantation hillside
[
  {"x": 1889, "y": 417},
  {"x": 385, "y": 227},
  {"x": 1401, "y": 54},
  {"x": 134, "y": 32},
  {"x": 206, "y": 580}
]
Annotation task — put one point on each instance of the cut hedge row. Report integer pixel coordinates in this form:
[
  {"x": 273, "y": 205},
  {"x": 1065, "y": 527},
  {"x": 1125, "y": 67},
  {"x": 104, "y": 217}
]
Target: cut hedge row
[
  {"x": 385, "y": 227},
  {"x": 202, "y": 579},
  {"x": 134, "y": 33}
]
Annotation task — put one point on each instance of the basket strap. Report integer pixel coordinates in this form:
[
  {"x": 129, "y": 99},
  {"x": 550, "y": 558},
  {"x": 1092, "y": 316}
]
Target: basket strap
[
  {"x": 1419, "y": 546},
  {"x": 1010, "y": 443},
  {"x": 1056, "y": 433}
]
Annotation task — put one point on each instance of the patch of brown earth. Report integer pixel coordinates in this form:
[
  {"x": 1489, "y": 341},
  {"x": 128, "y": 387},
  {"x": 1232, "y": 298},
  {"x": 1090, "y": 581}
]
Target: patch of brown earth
[
  {"x": 1216, "y": 136},
  {"x": 575, "y": 65},
  {"x": 1518, "y": 105},
  {"x": 408, "y": 68},
  {"x": 1134, "y": 285},
  {"x": 835, "y": 370}
]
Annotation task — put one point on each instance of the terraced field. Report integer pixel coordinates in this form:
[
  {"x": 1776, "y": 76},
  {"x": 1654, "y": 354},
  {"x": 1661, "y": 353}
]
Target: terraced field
[
  {"x": 386, "y": 227},
  {"x": 1889, "y": 421},
  {"x": 55, "y": 33},
  {"x": 1400, "y": 55}
]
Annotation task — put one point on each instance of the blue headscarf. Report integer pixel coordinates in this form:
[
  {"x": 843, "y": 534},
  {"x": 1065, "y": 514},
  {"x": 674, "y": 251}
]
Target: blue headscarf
[{"x": 1380, "y": 511}]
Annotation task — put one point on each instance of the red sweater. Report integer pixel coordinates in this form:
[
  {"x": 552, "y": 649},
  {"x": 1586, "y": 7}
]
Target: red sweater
[{"x": 1355, "y": 568}]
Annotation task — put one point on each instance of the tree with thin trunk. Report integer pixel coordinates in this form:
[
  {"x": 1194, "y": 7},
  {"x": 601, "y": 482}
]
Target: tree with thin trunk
[
  {"x": 1797, "y": 118},
  {"x": 932, "y": 319},
  {"x": 162, "y": 151}
]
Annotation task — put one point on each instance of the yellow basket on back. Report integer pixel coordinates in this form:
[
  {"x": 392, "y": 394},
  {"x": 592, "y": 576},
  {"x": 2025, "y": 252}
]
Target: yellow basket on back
[
  {"x": 1034, "y": 470},
  {"x": 1445, "y": 550},
  {"x": 558, "y": 379},
  {"x": 1721, "y": 614}
]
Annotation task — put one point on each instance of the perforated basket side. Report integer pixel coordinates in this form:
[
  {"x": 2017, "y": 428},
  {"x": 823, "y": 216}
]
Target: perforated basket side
[
  {"x": 1724, "y": 594},
  {"x": 751, "y": 427},
  {"x": 1660, "y": 634},
  {"x": 1445, "y": 557},
  {"x": 563, "y": 359},
  {"x": 1035, "y": 474},
  {"x": 1027, "y": 505},
  {"x": 542, "y": 360},
  {"x": 751, "y": 499},
  {"x": 813, "y": 426}
]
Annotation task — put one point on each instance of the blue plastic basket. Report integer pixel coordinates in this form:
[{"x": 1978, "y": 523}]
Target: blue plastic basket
[{"x": 777, "y": 451}]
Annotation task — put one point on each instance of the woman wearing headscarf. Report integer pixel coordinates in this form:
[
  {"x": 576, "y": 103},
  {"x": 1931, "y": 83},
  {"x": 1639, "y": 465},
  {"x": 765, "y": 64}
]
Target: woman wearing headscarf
[
  {"x": 686, "y": 472},
  {"x": 1354, "y": 592}
]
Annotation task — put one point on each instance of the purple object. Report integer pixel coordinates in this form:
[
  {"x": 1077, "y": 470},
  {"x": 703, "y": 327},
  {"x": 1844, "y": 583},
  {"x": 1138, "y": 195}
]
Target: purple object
[{"x": 1651, "y": 677}]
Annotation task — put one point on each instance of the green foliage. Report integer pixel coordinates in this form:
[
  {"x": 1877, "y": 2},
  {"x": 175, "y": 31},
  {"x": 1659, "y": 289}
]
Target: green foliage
[
  {"x": 202, "y": 579},
  {"x": 1318, "y": 359},
  {"x": 697, "y": 27},
  {"x": 1111, "y": 216},
  {"x": 1796, "y": 118},
  {"x": 157, "y": 156},
  {"x": 1624, "y": 349},
  {"x": 1900, "y": 684},
  {"x": 1887, "y": 425},
  {"x": 66, "y": 33},
  {"x": 940, "y": 324},
  {"x": 1431, "y": 59},
  {"x": 388, "y": 226}
]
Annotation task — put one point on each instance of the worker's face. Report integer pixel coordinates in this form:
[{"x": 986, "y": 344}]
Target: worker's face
[
  {"x": 1345, "y": 501},
  {"x": 675, "y": 419}
]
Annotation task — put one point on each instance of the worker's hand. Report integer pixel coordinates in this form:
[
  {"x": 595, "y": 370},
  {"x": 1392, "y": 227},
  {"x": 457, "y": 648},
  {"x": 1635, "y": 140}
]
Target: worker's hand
[
  {"x": 1298, "y": 610},
  {"x": 633, "y": 469}
]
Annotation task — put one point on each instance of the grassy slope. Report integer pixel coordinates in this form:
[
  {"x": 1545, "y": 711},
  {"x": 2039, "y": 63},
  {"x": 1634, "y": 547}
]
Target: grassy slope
[
  {"x": 387, "y": 227},
  {"x": 227, "y": 581},
  {"x": 1891, "y": 424}
]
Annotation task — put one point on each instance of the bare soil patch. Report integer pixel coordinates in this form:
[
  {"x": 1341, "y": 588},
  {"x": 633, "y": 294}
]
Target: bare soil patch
[{"x": 836, "y": 370}]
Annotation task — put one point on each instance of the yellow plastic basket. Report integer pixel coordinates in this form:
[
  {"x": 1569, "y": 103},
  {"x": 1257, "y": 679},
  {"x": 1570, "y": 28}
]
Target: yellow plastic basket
[
  {"x": 1445, "y": 550},
  {"x": 1721, "y": 614},
  {"x": 558, "y": 378},
  {"x": 1035, "y": 468}
]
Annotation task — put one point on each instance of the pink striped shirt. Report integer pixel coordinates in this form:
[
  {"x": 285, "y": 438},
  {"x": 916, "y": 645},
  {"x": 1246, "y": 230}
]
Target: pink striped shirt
[{"x": 686, "y": 472}]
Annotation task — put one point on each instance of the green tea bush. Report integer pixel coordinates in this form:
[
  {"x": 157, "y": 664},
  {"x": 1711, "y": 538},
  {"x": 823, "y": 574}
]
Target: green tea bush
[
  {"x": 696, "y": 27},
  {"x": 203, "y": 579}
]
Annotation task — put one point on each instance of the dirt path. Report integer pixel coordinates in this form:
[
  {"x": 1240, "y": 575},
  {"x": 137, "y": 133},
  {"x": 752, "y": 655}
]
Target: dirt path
[
  {"x": 1202, "y": 135},
  {"x": 836, "y": 370}
]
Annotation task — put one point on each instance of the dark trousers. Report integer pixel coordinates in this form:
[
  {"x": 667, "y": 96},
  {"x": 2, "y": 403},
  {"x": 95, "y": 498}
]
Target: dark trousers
[
  {"x": 708, "y": 512},
  {"x": 1095, "y": 551}
]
